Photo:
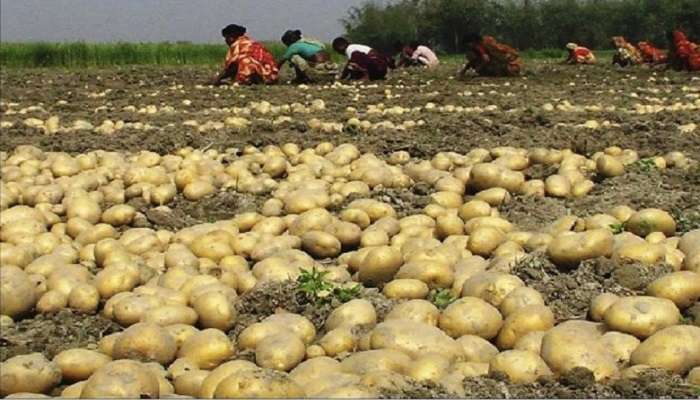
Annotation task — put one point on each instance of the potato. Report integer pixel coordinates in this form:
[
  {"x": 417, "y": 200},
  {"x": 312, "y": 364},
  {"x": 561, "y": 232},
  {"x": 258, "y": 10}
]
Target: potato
[
  {"x": 357, "y": 312},
  {"x": 181, "y": 366},
  {"x": 415, "y": 310},
  {"x": 519, "y": 298},
  {"x": 281, "y": 351},
  {"x": 207, "y": 348},
  {"x": 569, "y": 249},
  {"x": 413, "y": 339},
  {"x": 608, "y": 166},
  {"x": 295, "y": 323},
  {"x": 170, "y": 315},
  {"x": 375, "y": 362},
  {"x": 428, "y": 268},
  {"x": 641, "y": 316},
  {"x": 145, "y": 342},
  {"x": 569, "y": 346},
  {"x": 214, "y": 245},
  {"x": 84, "y": 298},
  {"x": 16, "y": 292},
  {"x": 674, "y": 348},
  {"x": 484, "y": 240},
  {"x": 429, "y": 367},
  {"x": 216, "y": 310},
  {"x": 121, "y": 214},
  {"x": 600, "y": 304},
  {"x": 557, "y": 186},
  {"x": 73, "y": 391},
  {"x": 321, "y": 244},
  {"x": 530, "y": 342},
  {"x": 694, "y": 376},
  {"x": 190, "y": 383},
  {"x": 474, "y": 209},
  {"x": 406, "y": 289},
  {"x": 106, "y": 344},
  {"x": 379, "y": 265},
  {"x": 492, "y": 287},
  {"x": 490, "y": 175},
  {"x": 79, "y": 364},
  {"x": 208, "y": 386},
  {"x": 258, "y": 383},
  {"x": 494, "y": 197},
  {"x": 620, "y": 345},
  {"x": 338, "y": 340},
  {"x": 527, "y": 319},
  {"x": 521, "y": 367},
  {"x": 471, "y": 316},
  {"x": 682, "y": 288},
  {"x": 30, "y": 373},
  {"x": 122, "y": 378},
  {"x": 476, "y": 349},
  {"x": 649, "y": 220}
]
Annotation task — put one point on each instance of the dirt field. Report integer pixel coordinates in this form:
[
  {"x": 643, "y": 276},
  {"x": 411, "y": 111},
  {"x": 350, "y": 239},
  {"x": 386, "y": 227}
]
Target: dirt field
[{"x": 551, "y": 106}]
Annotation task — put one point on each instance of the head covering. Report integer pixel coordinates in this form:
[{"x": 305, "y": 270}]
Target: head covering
[
  {"x": 571, "y": 46},
  {"x": 233, "y": 30},
  {"x": 291, "y": 36}
]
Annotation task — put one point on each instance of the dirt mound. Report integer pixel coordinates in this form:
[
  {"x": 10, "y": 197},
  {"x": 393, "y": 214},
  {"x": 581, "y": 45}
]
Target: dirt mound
[
  {"x": 52, "y": 333},
  {"x": 533, "y": 213},
  {"x": 569, "y": 292}
]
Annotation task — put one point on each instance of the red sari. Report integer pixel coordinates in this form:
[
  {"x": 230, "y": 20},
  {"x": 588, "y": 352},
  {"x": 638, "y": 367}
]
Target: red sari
[
  {"x": 254, "y": 62},
  {"x": 496, "y": 59},
  {"x": 651, "y": 54},
  {"x": 685, "y": 54}
]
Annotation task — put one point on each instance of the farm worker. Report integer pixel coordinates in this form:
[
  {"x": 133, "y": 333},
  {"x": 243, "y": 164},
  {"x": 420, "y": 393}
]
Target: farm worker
[
  {"x": 684, "y": 54},
  {"x": 247, "y": 61},
  {"x": 488, "y": 57},
  {"x": 650, "y": 54},
  {"x": 306, "y": 56},
  {"x": 626, "y": 54},
  {"x": 579, "y": 55},
  {"x": 416, "y": 54},
  {"x": 364, "y": 62}
]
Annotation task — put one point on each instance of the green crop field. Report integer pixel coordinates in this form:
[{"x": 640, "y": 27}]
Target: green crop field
[{"x": 81, "y": 55}]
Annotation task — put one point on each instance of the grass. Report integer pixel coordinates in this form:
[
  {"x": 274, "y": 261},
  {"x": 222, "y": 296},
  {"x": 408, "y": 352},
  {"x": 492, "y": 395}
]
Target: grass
[{"x": 82, "y": 55}]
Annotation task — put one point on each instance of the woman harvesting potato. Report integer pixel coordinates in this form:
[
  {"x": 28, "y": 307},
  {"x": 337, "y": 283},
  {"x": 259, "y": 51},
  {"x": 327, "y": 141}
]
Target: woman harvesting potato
[{"x": 247, "y": 61}]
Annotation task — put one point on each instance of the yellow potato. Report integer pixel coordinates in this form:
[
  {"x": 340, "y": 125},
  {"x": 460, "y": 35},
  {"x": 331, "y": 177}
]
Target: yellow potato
[
  {"x": 79, "y": 364},
  {"x": 122, "y": 378},
  {"x": 567, "y": 346},
  {"x": 527, "y": 319},
  {"x": 682, "y": 288},
  {"x": 674, "y": 348},
  {"x": 16, "y": 291},
  {"x": 257, "y": 383},
  {"x": 520, "y": 366},
  {"x": 568, "y": 249},
  {"x": 649, "y": 220},
  {"x": 620, "y": 345},
  {"x": 417, "y": 310},
  {"x": 207, "y": 348},
  {"x": 476, "y": 349},
  {"x": 492, "y": 287},
  {"x": 145, "y": 342},
  {"x": 356, "y": 312},
  {"x": 208, "y": 386},
  {"x": 471, "y": 316},
  {"x": 29, "y": 373},
  {"x": 600, "y": 304},
  {"x": 413, "y": 338},
  {"x": 641, "y": 316},
  {"x": 281, "y": 351},
  {"x": 406, "y": 289}
]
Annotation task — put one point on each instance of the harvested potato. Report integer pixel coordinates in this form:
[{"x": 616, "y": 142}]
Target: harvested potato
[
  {"x": 520, "y": 366},
  {"x": 641, "y": 316},
  {"x": 257, "y": 384},
  {"x": 281, "y": 351},
  {"x": 145, "y": 342},
  {"x": 492, "y": 287},
  {"x": 569, "y": 249},
  {"x": 338, "y": 340},
  {"x": 218, "y": 374},
  {"x": 600, "y": 304},
  {"x": 16, "y": 291},
  {"x": 519, "y": 298},
  {"x": 649, "y": 220},
  {"x": 79, "y": 364},
  {"x": 190, "y": 383},
  {"x": 418, "y": 310},
  {"x": 620, "y": 345},
  {"x": 530, "y": 342},
  {"x": 675, "y": 348},
  {"x": 471, "y": 316},
  {"x": 29, "y": 373},
  {"x": 429, "y": 367},
  {"x": 523, "y": 321},
  {"x": 682, "y": 288},
  {"x": 406, "y": 289},
  {"x": 122, "y": 378},
  {"x": 413, "y": 338},
  {"x": 356, "y": 312},
  {"x": 207, "y": 348},
  {"x": 379, "y": 265},
  {"x": 476, "y": 349},
  {"x": 570, "y": 346}
]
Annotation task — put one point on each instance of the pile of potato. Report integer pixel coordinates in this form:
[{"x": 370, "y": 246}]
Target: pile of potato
[{"x": 72, "y": 238}]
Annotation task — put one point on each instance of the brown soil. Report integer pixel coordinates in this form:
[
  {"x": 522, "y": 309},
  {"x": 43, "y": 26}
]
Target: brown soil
[
  {"x": 52, "y": 333},
  {"x": 569, "y": 292}
]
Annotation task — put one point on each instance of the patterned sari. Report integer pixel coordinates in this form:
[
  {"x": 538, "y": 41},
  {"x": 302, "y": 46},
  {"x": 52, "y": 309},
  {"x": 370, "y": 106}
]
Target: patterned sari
[
  {"x": 626, "y": 53},
  {"x": 497, "y": 59},
  {"x": 253, "y": 62},
  {"x": 685, "y": 54}
]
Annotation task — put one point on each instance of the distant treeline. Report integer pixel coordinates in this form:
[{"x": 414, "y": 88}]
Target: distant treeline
[{"x": 526, "y": 24}]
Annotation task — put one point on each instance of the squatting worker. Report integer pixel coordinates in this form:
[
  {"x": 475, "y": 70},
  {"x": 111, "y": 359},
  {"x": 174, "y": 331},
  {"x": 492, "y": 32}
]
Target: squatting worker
[
  {"x": 307, "y": 56},
  {"x": 651, "y": 54},
  {"x": 247, "y": 61},
  {"x": 683, "y": 55},
  {"x": 488, "y": 57},
  {"x": 625, "y": 52},
  {"x": 415, "y": 54},
  {"x": 579, "y": 55},
  {"x": 364, "y": 62}
]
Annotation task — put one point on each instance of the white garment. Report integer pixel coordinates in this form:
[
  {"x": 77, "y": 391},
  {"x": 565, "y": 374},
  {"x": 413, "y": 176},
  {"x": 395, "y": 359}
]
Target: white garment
[
  {"x": 357, "y": 47},
  {"x": 425, "y": 56}
]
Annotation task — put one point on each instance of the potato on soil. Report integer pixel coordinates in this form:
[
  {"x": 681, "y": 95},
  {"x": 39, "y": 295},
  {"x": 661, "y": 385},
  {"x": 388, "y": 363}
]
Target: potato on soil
[
  {"x": 471, "y": 316},
  {"x": 79, "y": 364},
  {"x": 357, "y": 312},
  {"x": 523, "y": 321},
  {"x": 281, "y": 351},
  {"x": 16, "y": 291},
  {"x": 477, "y": 349},
  {"x": 566, "y": 347},
  {"x": 417, "y": 310},
  {"x": 520, "y": 366},
  {"x": 650, "y": 220},
  {"x": 413, "y": 338},
  {"x": 258, "y": 384},
  {"x": 29, "y": 373},
  {"x": 145, "y": 342},
  {"x": 641, "y": 316},
  {"x": 569, "y": 249},
  {"x": 207, "y": 348},
  {"x": 676, "y": 348},
  {"x": 218, "y": 374},
  {"x": 682, "y": 288},
  {"x": 122, "y": 378},
  {"x": 406, "y": 289},
  {"x": 493, "y": 287}
]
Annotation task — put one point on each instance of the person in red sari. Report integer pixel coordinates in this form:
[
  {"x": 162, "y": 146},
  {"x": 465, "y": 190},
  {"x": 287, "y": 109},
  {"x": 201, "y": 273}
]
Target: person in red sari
[
  {"x": 650, "y": 54},
  {"x": 579, "y": 55},
  {"x": 247, "y": 61},
  {"x": 684, "y": 55},
  {"x": 488, "y": 57}
]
